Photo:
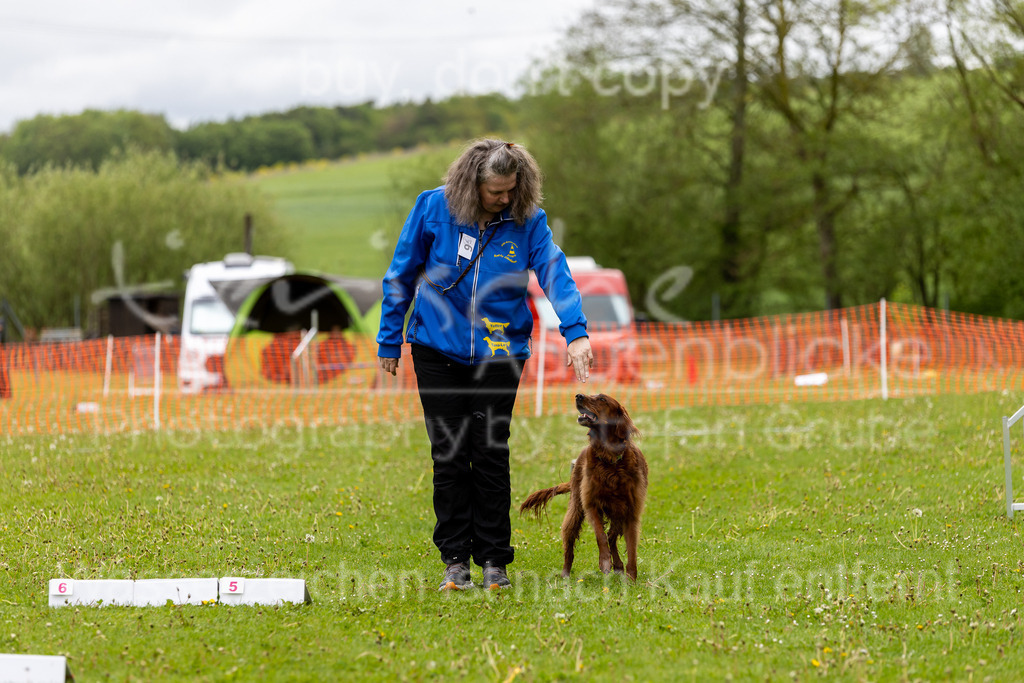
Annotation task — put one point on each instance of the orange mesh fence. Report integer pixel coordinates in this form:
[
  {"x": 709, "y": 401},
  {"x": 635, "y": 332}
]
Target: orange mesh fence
[{"x": 131, "y": 384}]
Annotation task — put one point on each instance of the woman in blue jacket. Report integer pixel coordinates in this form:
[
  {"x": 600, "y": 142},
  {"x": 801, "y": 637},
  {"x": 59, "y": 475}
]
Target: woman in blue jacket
[{"x": 463, "y": 262}]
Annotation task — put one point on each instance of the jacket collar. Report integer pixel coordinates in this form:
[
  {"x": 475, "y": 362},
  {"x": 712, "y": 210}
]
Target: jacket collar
[{"x": 502, "y": 217}]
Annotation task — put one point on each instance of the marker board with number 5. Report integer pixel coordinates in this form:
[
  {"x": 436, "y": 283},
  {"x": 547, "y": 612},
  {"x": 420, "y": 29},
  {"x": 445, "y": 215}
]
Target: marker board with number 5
[{"x": 235, "y": 590}]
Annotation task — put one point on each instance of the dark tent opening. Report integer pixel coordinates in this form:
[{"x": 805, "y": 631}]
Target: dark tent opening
[{"x": 289, "y": 303}]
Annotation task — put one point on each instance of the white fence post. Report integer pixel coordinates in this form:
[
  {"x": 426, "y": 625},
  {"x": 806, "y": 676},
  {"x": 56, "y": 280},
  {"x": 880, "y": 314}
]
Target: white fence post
[
  {"x": 303, "y": 372},
  {"x": 883, "y": 346},
  {"x": 109, "y": 365},
  {"x": 538, "y": 409},
  {"x": 156, "y": 384},
  {"x": 844, "y": 330}
]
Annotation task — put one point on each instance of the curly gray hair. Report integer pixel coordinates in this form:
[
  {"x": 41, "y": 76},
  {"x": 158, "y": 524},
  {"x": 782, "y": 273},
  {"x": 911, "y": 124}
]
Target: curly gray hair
[{"x": 483, "y": 160}]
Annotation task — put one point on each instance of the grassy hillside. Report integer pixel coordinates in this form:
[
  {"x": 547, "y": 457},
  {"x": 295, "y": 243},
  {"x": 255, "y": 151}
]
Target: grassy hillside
[{"x": 344, "y": 217}]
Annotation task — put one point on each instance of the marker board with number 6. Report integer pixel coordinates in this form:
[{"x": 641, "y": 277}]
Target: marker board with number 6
[{"x": 95, "y": 592}]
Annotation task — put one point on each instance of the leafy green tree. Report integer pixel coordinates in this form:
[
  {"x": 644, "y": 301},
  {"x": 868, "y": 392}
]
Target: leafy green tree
[
  {"x": 324, "y": 126},
  {"x": 992, "y": 32},
  {"x": 985, "y": 39},
  {"x": 356, "y": 129},
  {"x": 681, "y": 42},
  {"x": 779, "y": 146},
  {"x": 623, "y": 180},
  {"x": 205, "y": 142},
  {"x": 262, "y": 142},
  {"x": 827, "y": 70},
  {"x": 85, "y": 139}
]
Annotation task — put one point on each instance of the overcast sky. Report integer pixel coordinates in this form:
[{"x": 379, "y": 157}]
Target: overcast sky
[{"x": 209, "y": 60}]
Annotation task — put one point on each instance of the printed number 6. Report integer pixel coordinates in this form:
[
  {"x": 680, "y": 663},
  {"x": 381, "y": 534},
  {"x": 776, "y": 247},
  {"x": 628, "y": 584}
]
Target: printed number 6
[{"x": 62, "y": 588}]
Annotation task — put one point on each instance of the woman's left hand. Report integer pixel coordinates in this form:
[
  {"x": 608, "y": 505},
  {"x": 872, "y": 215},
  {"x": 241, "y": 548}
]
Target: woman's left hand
[{"x": 580, "y": 357}]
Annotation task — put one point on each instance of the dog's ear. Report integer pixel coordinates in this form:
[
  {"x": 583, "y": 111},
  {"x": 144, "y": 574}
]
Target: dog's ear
[{"x": 624, "y": 427}]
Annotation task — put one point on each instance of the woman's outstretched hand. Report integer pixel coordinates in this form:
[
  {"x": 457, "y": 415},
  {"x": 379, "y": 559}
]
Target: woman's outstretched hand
[{"x": 580, "y": 357}]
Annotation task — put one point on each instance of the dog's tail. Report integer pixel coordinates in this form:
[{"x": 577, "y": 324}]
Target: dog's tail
[{"x": 538, "y": 500}]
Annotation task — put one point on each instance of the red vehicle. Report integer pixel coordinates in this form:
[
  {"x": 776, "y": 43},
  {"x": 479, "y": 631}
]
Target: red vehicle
[{"x": 609, "y": 314}]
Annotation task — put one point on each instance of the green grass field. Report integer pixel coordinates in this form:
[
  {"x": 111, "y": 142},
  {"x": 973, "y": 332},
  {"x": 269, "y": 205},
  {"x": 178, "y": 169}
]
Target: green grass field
[
  {"x": 343, "y": 217},
  {"x": 859, "y": 541}
]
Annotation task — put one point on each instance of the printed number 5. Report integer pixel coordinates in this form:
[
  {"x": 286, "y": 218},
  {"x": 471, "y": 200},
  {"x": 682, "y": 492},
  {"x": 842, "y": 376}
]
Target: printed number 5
[{"x": 232, "y": 587}]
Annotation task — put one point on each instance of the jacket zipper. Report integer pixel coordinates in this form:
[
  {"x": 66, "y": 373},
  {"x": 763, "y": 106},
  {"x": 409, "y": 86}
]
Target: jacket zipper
[{"x": 472, "y": 299}]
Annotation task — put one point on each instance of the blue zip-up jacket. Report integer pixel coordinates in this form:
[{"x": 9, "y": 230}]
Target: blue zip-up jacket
[{"x": 485, "y": 316}]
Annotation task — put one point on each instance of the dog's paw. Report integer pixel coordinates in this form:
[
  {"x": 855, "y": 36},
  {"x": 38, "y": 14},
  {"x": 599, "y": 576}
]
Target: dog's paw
[{"x": 605, "y": 564}]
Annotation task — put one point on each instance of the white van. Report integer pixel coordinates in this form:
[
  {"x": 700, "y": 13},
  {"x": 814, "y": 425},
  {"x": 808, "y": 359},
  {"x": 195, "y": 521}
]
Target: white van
[{"x": 213, "y": 293}]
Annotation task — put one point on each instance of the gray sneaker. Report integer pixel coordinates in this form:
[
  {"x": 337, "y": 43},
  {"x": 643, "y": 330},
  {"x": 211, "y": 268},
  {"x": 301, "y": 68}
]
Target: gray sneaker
[
  {"x": 456, "y": 577},
  {"x": 495, "y": 577}
]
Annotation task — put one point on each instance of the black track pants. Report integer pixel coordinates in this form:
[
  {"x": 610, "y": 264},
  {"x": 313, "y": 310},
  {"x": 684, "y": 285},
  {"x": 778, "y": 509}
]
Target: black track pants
[{"x": 467, "y": 410}]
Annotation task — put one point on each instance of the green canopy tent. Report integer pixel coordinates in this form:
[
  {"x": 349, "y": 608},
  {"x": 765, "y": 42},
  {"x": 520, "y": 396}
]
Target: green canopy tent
[
  {"x": 268, "y": 344},
  {"x": 367, "y": 293},
  {"x": 298, "y": 301}
]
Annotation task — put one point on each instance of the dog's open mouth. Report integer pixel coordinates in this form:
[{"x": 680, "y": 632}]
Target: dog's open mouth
[{"x": 586, "y": 417}]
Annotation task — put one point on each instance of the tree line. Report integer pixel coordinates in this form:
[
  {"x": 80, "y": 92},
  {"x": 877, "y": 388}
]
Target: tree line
[{"x": 85, "y": 140}]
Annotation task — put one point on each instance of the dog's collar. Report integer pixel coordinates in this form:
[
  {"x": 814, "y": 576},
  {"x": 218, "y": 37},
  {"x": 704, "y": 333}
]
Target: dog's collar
[{"x": 594, "y": 435}]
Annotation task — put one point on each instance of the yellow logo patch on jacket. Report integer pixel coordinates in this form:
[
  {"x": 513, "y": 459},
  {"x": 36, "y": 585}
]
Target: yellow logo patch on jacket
[{"x": 510, "y": 252}]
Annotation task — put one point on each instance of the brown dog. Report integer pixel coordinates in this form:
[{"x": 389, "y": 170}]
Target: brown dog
[{"x": 608, "y": 482}]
